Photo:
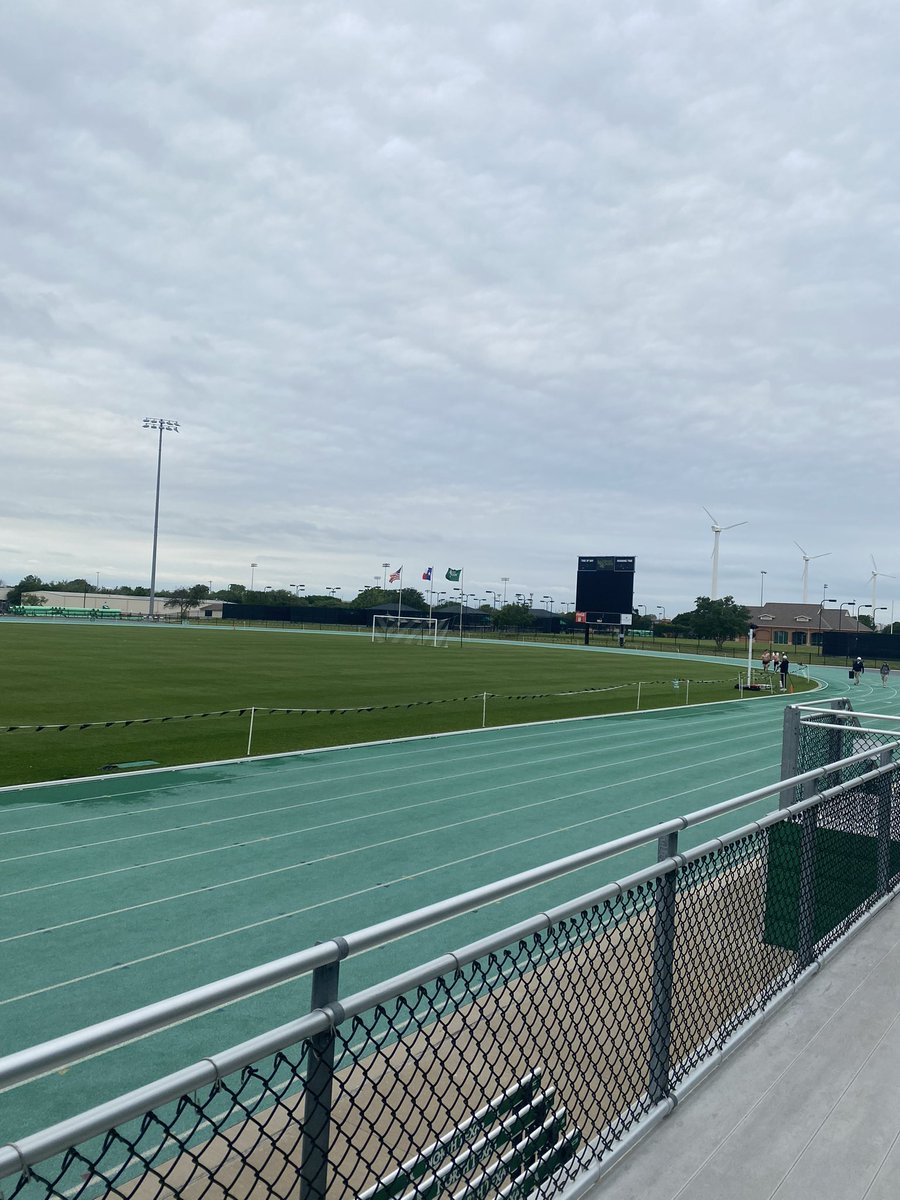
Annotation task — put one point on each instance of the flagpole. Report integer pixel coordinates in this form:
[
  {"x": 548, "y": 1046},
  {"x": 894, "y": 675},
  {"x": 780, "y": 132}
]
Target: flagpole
[
  {"x": 400, "y": 594},
  {"x": 462, "y": 592}
]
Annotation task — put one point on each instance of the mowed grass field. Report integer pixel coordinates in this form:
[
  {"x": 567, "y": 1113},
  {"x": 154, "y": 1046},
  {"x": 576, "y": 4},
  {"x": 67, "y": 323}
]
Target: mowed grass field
[{"x": 76, "y": 674}]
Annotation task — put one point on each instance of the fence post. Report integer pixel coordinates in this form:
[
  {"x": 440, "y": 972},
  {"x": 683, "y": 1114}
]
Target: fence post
[
  {"x": 790, "y": 752},
  {"x": 318, "y": 1089},
  {"x": 250, "y": 735},
  {"x": 663, "y": 970},
  {"x": 883, "y": 826},
  {"x": 806, "y": 889}
]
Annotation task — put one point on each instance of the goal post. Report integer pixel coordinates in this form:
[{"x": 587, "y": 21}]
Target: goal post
[{"x": 424, "y": 630}]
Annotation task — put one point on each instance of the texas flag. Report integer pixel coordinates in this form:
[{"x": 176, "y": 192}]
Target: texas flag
[
  {"x": 395, "y": 575},
  {"x": 426, "y": 574}
]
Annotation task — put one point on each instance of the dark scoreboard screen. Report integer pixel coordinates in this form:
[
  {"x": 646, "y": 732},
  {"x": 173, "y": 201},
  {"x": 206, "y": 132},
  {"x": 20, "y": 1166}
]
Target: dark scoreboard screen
[{"x": 604, "y": 590}]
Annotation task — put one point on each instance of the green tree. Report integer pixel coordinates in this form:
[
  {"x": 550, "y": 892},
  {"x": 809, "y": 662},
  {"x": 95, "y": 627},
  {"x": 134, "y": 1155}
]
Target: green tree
[
  {"x": 682, "y": 624},
  {"x": 185, "y": 599},
  {"x": 371, "y": 597},
  {"x": 71, "y": 585},
  {"x": 514, "y": 616},
  {"x": 413, "y": 598},
  {"x": 719, "y": 620},
  {"x": 865, "y": 619},
  {"x": 31, "y": 583},
  {"x": 28, "y": 598}
]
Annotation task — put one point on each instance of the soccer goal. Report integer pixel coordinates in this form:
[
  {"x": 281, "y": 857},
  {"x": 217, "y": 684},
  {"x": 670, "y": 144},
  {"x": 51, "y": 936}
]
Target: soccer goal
[{"x": 425, "y": 630}]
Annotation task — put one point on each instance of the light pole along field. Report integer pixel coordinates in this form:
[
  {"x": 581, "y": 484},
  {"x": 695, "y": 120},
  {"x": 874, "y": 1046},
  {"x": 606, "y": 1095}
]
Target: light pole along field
[{"x": 169, "y": 695}]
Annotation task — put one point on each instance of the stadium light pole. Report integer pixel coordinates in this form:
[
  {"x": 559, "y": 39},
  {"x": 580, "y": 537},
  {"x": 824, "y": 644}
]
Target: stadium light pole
[
  {"x": 821, "y": 607},
  {"x": 662, "y": 608},
  {"x": 550, "y": 598},
  {"x": 762, "y": 586},
  {"x": 384, "y": 567},
  {"x": 504, "y": 579},
  {"x": 493, "y": 595},
  {"x": 880, "y": 608},
  {"x": 163, "y": 426}
]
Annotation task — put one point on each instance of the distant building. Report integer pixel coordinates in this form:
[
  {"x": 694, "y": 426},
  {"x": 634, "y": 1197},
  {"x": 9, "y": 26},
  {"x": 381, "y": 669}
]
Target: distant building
[
  {"x": 133, "y": 605},
  {"x": 800, "y": 624}
]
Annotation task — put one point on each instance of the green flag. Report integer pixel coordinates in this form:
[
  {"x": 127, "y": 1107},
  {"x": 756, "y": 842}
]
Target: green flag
[{"x": 453, "y": 575}]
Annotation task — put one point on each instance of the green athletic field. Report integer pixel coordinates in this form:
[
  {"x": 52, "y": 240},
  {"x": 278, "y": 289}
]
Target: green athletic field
[{"x": 79, "y": 674}]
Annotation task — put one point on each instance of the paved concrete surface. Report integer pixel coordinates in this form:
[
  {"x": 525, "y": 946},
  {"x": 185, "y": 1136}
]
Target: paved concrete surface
[{"x": 809, "y": 1107}]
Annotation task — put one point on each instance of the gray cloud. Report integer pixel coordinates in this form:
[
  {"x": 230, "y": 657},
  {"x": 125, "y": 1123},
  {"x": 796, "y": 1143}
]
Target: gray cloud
[{"x": 495, "y": 285}]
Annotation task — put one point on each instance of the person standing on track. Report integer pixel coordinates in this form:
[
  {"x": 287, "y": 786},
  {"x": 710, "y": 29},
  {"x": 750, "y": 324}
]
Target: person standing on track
[
  {"x": 783, "y": 667},
  {"x": 766, "y": 659},
  {"x": 858, "y": 668},
  {"x": 885, "y": 672}
]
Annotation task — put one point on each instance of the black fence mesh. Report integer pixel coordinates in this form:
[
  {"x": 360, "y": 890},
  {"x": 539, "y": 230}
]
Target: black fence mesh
[{"x": 519, "y": 1070}]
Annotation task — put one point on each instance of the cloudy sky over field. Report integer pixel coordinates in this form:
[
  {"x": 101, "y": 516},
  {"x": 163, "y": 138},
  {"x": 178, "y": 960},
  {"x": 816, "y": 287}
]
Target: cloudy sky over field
[{"x": 486, "y": 285}]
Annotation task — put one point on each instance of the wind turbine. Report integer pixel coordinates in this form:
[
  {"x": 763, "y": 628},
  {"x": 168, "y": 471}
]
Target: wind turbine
[
  {"x": 807, "y": 559},
  {"x": 717, "y": 529},
  {"x": 874, "y": 578}
]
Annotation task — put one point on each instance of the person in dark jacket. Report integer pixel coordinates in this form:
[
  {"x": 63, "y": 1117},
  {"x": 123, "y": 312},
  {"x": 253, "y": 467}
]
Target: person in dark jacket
[
  {"x": 859, "y": 668},
  {"x": 784, "y": 667}
]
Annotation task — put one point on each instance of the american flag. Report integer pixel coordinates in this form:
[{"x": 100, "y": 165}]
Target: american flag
[
  {"x": 395, "y": 575},
  {"x": 426, "y": 574}
]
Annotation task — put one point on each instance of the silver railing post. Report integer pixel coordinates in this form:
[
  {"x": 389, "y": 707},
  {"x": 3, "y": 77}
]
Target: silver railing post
[
  {"x": 806, "y": 888},
  {"x": 319, "y": 1088},
  {"x": 663, "y": 970},
  {"x": 883, "y": 825},
  {"x": 790, "y": 752}
]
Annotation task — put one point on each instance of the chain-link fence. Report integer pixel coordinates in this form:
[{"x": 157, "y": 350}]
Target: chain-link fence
[
  {"x": 514, "y": 1065},
  {"x": 829, "y": 732}
]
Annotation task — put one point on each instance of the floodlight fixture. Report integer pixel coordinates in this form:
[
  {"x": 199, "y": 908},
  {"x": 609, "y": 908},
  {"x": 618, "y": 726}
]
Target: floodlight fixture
[{"x": 163, "y": 425}]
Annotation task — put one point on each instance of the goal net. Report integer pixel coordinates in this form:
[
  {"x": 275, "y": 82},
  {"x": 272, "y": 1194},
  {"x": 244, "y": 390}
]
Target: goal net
[{"x": 430, "y": 631}]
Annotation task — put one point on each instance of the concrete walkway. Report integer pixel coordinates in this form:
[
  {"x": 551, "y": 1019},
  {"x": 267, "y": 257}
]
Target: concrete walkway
[{"x": 809, "y": 1108}]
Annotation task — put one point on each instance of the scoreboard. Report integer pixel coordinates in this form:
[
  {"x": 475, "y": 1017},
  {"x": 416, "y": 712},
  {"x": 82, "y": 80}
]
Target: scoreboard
[{"x": 604, "y": 591}]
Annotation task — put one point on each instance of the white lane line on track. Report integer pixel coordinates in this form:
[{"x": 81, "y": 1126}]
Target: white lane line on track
[
  {"x": 538, "y": 779},
  {"x": 362, "y": 891},
  {"x": 492, "y": 765},
  {"x": 238, "y": 846},
  {"x": 388, "y": 770},
  {"x": 311, "y": 863},
  {"x": 604, "y": 730}
]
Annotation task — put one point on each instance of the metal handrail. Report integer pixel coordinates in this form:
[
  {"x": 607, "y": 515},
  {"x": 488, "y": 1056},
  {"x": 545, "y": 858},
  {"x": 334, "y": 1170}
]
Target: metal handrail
[{"x": 18, "y": 1156}]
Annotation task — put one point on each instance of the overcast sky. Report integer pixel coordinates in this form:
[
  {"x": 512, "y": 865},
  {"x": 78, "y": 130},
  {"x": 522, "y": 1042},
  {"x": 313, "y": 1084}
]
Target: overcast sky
[{"x": 486, "y": 285}]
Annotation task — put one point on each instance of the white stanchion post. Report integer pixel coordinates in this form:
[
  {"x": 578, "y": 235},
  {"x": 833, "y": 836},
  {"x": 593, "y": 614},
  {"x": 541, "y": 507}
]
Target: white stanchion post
[
  {"x": 484, "y": 712},
  {"x": 750, "y": 655},
  {"x": 638, "y": 705},
  {"x": 687, "y": 691},
  {"x": 250, "y": 738}
]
